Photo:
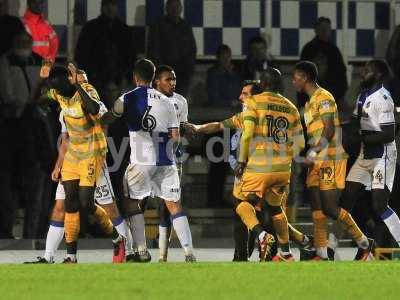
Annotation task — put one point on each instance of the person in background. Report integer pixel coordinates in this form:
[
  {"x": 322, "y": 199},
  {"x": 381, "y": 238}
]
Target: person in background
[
  {"x": 105, "y": 47},
  {"x": 45, "y": 40},
  {"x": 10, "y": 26},
  {"x": 18, "y": 157},
  {"x": 257, "y": 59},
  {"x": 223, "y": 81},
  {"x": 171, "y": 42},
  {"x": 331, "y": 68}
]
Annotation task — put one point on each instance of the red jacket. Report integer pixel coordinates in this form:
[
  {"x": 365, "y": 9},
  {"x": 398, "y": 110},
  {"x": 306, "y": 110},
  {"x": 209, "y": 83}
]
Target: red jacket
[{"x": 45, "y": 40}]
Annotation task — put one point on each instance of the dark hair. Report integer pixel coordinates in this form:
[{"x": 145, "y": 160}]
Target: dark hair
[
  {"x": 308, "y": 68},
  {"x": 255, "y": 86},
  {"x": 257, "y": 40},
  {"x": 381, "y": 66},
  {"x": 223, "y": 48},
  {"x": 271, "y": 80},
  {"x": 58, "y": 71},
  {"x": 321, "y": 20},
  {"x": 161, "y": 69},
  {"x": 145, "y": 69}
]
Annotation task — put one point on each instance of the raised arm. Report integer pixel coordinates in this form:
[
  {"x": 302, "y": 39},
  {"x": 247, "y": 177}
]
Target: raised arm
[{"x": 89, "y": 103}]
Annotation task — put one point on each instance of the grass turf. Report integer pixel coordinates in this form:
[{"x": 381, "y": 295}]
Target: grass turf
[{"x": 309, "y": 280}]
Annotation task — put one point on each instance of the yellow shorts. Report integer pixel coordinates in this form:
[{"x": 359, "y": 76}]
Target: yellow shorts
[
  {"x": 273, "y": 187},
  {"x": 327, "y": 175},
  {"x": 86, "y": 170}
]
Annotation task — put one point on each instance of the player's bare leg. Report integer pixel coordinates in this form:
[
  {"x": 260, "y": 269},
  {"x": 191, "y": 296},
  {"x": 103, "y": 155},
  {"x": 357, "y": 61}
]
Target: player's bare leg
[
  {"x": 182, "y": 228},
  {"x": 135, "y": 220}
]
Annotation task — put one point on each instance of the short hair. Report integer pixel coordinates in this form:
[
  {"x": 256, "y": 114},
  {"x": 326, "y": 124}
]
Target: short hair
[
  {"x": 255, "y": 86},
  {"x": 161, "y": 69},
  {"x": 145, "y": 69},
  {"x": 382, "y": 67},
  {"x": 221, "y": 48},
  {"x": 308, "y": 68},
  {"x": 58, "y": 71},
  {"x": 257, "y": 40},
  {"x": 321, "y": 20},
  {"x": 271, "y": 80}
]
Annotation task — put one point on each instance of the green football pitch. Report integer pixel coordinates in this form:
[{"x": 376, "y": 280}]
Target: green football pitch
[{"x": 309, "y": 280}]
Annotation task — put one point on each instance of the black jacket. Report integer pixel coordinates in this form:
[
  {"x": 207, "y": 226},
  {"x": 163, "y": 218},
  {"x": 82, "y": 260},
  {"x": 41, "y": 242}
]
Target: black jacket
[
  {"x": 173, "y": 44},
  {"x": 105, "y": 49}
]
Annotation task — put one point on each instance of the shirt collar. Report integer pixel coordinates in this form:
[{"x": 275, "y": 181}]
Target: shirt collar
[{"x": 373, "y": 90}]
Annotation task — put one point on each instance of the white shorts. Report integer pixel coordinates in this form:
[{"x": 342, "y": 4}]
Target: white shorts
[
  {"x": 104, "y": 193},
  {"x": 373, "y": 173},
  {"x": 155, "y": 181}
]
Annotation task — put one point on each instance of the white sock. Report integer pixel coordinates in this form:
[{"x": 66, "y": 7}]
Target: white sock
[
  {"x": 121, "y": 226},
  {"x": 392, "y": 222},
  {"x": 163, "y": 239},
  {"x": 332, "y": 241},
  {"x": 261, "y": 236},
  {"x": 54, "y": 237},
  {"x": 322, "y": 252},
  {"x": 129, "y": 242},
  {"x": 137, "y": 226},
  {"x": 182, "y": 229}
]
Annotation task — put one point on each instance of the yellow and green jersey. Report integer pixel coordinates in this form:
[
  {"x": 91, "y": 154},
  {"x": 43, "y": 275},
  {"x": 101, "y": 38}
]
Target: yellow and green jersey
[
  {"x": 273, "y": 128},
  {"x": 322, "y": 105},
  {"x": 235, "y": 122},
  {"x": 86, "y": 135}
]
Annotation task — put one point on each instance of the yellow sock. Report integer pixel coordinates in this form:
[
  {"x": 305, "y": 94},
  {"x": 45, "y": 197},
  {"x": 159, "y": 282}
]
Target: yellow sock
[
  {"x": 347, "y": 220},
  {"x": 281, "y": 228},
  {"x": 320, "y": 229},
  {"x": 295, "y": 235},
  {"x": 103, "y": 220},
  {"x": 247, "y": 213},
  {"x": 72, "y": 227}
]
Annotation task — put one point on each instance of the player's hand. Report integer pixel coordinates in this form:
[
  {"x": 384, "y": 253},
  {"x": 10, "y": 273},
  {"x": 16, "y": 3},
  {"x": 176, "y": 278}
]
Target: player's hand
[
  {"x": 239, "y": 170},
  {"x": 56, "y": 175},
  {"x": 310, "y": 158},
  {"x": 46, "y": 68},
  {"x": 73, "y": 74},
  {"x": 81, "y": 76}
]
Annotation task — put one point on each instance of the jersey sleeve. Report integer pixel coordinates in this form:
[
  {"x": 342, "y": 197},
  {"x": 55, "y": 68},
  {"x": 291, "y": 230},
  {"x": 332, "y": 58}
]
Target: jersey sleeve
[
  {"x": 385, "y": 112},
  {"x": 235, "y": 122},
  {"x": 103, "y": 109},
  {"x": 91, "y": 91},
  {"x": 52, "y": 94},
  {"x": 62, "y": 122},
  {"x": 185, "y": 112},
  {"x": 173, "y": 118},
  {"x": 326, "y": 106}
]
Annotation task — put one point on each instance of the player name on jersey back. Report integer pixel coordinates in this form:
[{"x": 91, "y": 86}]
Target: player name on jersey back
[{"x": 150, "y": 116}]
